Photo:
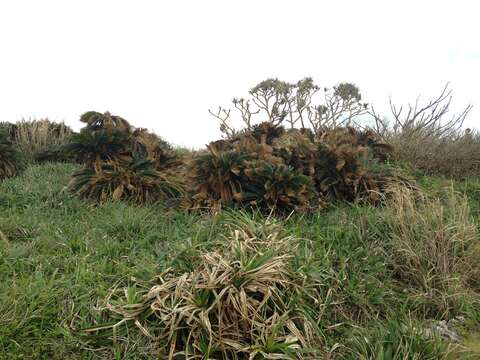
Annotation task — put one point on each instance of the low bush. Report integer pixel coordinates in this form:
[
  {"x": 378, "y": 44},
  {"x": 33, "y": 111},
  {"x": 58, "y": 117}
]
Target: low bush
[
  {"x": 270, "y": 167},
  {"x": 121, "y": 162},
  {"x": 11, "y": 159},
  {"x": 399, "y": 340},
  {"x": 135, "y": 179},
  {"x": 241, "y": 302},
  {"x": 434, "y": 249},
  {"x": 425, "y": 139}
]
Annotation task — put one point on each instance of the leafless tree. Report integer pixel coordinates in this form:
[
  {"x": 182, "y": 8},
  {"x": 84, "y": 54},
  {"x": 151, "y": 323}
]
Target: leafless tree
[
  {"x": 426, "y": 120},
  {"x": 294, "y": 104}
]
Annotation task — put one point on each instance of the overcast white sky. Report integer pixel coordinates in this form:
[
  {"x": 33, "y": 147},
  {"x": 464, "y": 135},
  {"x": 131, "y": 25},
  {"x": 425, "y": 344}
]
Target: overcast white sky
[{"x": 162, "y": 64}]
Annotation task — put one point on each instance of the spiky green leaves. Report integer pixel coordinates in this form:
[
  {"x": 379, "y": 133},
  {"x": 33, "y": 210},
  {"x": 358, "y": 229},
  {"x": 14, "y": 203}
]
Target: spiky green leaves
[
  {"x": 95, "y": 146},
  {"x": 135, "y": 179},
  {"x": 270, "y": 168},
  {"x": 121, "y": 162},
  {"x": 278, "y": 186},
  {"x": 252, "y": 178}
]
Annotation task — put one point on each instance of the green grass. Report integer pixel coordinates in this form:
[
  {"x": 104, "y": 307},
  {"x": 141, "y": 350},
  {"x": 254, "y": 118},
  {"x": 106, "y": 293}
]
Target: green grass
[{"x": 64, "y": 254}]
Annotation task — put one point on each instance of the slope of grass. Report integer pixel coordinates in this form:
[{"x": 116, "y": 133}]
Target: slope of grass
[{"x": 61, "y": 256}]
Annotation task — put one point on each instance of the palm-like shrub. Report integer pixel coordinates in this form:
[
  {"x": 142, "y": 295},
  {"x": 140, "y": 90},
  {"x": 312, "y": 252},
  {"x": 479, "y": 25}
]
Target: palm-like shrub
[
  {"x": 121, "y": 162},
  {"x": 269, "y": 167},
  {"x": 10, "y": 156},
  {"x": 153, "y": 147},
  {"x": 343, "y": 167},
  {"x": 216, "y": 177},
  {"x": 97, "y": 121},
  {"x": 278, "y": 186},
  {"x": 266, "y": 132},
  {"x": 135, "y": 179},
  {"x": 249, "y": 174},
  {"x": 96, "y": 146}
]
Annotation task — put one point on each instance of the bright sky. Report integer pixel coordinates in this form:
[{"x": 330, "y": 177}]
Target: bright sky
[{"x": 163, "y": 64}]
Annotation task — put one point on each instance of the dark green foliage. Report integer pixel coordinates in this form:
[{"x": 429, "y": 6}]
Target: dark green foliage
[
  {"x": 56, "y": 153},
  {"x": 121, "y": 162},
  {"x": 135, "y": 179},
  {"x": 278, "y": 186},
  {"x": 95, "y": 146},
  {"x": 216, "y": 176},
  {"x": 11, "y": 161},
  {"x": 269, "y": 167},
  {"x": 397, "y": 340},
  {"x": 266, "y": 132}
]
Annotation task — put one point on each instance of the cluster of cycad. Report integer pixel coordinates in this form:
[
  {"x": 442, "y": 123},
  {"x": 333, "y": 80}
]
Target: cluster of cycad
[
  {"x": 120, "y": 161},
  {"x": 272, "y": 168},
  {"x": 298, "y": 168},
  {"x": 302, "y": 156}
]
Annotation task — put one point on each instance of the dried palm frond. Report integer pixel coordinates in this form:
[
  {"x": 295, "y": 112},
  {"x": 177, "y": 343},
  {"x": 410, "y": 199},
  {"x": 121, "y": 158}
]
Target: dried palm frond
[
  {"x": 154, "y": 148},
  {"x": 97, "y": 121}
]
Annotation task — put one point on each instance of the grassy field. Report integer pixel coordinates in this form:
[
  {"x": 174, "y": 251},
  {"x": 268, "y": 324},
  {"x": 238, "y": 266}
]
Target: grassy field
[{"x": 60, "y": 256}]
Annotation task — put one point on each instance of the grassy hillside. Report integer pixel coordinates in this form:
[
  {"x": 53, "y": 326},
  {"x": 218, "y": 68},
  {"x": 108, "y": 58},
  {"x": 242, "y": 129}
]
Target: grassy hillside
[{"x": 60, "y": 256}]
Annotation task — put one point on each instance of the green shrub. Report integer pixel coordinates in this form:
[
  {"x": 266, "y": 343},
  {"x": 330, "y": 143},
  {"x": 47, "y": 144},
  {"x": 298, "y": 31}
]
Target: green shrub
[
  {"x": 11, "y": 160},
  {"x": 135, "y": 179},
  {"x": 434, "y": 250},
  {"x": 121, "y": 162},
  {"x": 397, "y": 340},
  {"x": 271, "y": 168}
]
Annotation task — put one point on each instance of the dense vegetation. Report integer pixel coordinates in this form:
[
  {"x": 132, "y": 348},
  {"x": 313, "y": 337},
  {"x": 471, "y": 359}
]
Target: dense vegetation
[{"x": 333, "y": 240}]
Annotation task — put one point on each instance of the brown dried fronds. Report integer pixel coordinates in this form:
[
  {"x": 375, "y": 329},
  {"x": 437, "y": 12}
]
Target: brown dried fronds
[{"x": 241, "y": 301}]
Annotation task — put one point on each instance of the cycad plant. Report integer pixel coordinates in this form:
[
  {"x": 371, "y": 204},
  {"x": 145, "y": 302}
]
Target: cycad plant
[
  {"x": 97, "y": 121},
  {"x": 155, "y": 148},
  {"x": 349, "y": 165},
  {"x": 93, "y": 147},
  {"x": 135, "y": 179},
  {"x": 120, "y": 162},
  {"x": 11, "y": 160},
  {"x": 217, "y": 177},
  {"x": 272, "y": 168},
  {"x": 278, "y": 186},
  {"x": 248, "y": 173}
]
